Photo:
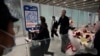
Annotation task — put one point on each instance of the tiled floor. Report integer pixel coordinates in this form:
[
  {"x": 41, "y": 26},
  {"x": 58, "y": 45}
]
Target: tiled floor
[{"x": 23, "y": 50}]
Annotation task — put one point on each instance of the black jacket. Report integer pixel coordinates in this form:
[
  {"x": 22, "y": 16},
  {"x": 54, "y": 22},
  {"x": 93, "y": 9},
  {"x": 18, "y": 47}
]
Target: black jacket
[
  {"x": 97, "y": 41},
  {"x": 64, "y": 24},
  {"x": 44, "y": 33},
  {"x": 54, "y": 25}
]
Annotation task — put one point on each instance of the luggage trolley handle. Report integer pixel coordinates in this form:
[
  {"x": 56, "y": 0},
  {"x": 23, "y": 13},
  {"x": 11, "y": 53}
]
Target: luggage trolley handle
[{"x": 44, "y": 40}]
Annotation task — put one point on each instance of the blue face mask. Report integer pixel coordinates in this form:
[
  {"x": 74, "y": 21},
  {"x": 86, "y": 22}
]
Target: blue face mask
[{"x": 6, "y": 49}]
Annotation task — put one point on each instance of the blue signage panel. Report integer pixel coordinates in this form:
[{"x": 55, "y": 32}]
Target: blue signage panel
[{"x": 31, "y": 17}]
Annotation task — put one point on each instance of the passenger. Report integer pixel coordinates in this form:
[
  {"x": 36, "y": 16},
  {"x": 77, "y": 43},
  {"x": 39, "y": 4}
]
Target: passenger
[
  {"x": 54, "y": 27},
  {"x": 64, "y": 27},
  {"x": 97, "y": 35},
  {"x": 6, "y": 29},
  {"x": 44, "y": 34}
]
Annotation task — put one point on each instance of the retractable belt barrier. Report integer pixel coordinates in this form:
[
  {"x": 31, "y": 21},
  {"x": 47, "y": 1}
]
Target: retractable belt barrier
[{"x": 33, "y": 40}]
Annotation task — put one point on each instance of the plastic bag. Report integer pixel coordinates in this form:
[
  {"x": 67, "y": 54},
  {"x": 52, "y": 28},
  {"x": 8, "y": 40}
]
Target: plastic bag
[
  {"x": 79, "y": 47},
  {"x": 69, "y": 52},
  {"x": 75, "y": 43}
]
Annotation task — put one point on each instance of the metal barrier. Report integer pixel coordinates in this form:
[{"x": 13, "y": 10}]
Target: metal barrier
[{"x": 25, "y": 48}]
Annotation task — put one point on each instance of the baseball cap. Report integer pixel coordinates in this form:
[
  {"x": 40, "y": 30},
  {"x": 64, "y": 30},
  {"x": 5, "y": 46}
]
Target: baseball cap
[{"x": 5, "y": 14}]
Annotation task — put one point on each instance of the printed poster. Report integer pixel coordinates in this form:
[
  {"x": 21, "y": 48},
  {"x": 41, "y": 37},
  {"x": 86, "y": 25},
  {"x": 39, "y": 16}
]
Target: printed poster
[{"x": 31, "y": 17}]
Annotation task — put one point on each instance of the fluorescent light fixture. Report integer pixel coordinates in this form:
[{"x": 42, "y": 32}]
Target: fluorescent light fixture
[
  {"x": 96, "y": 0},
  {"x": 84, "y": 0}
]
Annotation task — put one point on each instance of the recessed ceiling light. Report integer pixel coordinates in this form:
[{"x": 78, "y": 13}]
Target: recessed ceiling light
[
  {"x": 64, "y": 2},
  {"x": 96, "y": 0},
  {"x": 84, "y": 0}
]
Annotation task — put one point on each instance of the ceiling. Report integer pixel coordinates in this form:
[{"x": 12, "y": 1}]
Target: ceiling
[{"x": 85, "y": 5}]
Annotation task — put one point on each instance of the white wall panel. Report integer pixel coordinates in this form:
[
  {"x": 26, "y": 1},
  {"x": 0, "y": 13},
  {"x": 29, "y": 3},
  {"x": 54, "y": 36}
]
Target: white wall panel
[{"x": 47, "y": 12}]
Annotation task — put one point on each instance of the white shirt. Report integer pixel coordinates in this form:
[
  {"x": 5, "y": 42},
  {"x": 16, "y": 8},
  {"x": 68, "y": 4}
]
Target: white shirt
[{"x": 52, "y": 22}]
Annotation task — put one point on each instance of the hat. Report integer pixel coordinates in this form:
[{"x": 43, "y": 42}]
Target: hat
[
  {"x": 2, "y": 1},
  {"x": 13, "y": 19},
  {"x": 5, "y": 14}
]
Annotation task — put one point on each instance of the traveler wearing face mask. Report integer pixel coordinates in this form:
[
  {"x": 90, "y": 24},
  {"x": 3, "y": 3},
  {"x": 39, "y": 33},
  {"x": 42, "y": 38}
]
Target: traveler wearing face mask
[
  {"x": 6, "y": 29},
  {"x": 97, "y": 35}
]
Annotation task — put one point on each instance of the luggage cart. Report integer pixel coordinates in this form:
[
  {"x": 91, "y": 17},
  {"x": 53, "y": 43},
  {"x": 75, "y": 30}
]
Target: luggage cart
[{"x": 34, "y": 45}]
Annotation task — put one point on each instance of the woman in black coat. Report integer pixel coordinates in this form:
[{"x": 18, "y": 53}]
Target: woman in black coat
[{"x": 44, "y": 34}]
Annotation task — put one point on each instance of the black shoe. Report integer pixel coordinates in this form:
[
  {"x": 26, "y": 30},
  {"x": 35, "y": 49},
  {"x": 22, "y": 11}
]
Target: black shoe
[
  {"x": 62, "y": 51},
  {"x": 52, "y": 54}
]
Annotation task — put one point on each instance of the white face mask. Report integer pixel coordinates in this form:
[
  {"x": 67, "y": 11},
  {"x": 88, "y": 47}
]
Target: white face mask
[
  {"x": 6, "y": 49},
  {"x": 39, "y": 22}
]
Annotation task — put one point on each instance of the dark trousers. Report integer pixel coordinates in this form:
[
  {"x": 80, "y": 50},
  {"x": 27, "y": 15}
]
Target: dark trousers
[
  {"x": 45, "y": 46},
  {"x": 53, "y": 32},
  {"x": 97, "y": 42},
  {"x": 65, "y": 42}
]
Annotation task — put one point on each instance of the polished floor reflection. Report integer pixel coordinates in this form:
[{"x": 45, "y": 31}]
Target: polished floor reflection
[{"x": 24, "y": 49}]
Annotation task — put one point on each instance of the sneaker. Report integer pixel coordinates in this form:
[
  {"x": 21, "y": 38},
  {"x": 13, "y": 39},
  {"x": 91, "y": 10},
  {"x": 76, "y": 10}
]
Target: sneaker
[{"x": 62, "y": 51}]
